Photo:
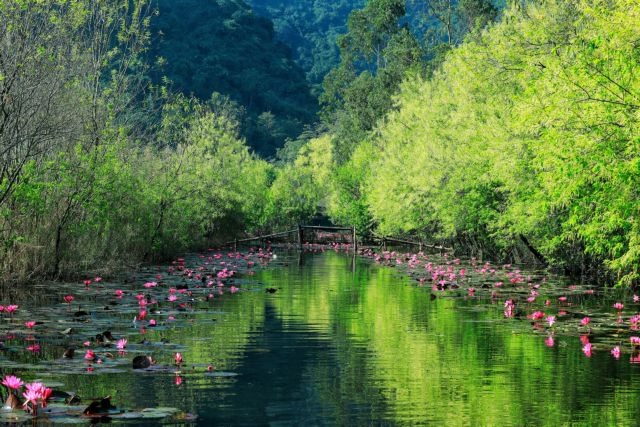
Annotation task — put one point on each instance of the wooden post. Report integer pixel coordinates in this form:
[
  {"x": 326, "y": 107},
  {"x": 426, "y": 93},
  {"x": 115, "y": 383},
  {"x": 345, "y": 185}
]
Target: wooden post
[
  {"x": 355, "y": 240},
  {"x": 384, "y": 243},
  {"x": 299, "y": 236},
  {"x": 420, "y": 247},
  {"x": 235, "y": 245}
]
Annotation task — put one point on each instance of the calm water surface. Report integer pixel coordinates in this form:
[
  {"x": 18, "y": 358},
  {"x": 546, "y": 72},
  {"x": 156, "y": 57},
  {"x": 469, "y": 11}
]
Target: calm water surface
[{"x": 346, "y": 342}]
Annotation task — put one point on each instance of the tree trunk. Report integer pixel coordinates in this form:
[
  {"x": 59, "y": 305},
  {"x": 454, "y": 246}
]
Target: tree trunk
[{"x": 538, "y": 256}]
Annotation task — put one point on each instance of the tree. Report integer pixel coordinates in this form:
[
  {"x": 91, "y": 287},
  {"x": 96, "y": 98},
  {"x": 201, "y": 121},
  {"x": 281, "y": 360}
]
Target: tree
[
  {"x": 445, "y": 23},
  {"x": 376, "y": 53},
  {"x": 35, "y": 71}
]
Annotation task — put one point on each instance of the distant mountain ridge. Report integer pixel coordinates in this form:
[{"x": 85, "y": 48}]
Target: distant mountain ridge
[
  {"x": 222, "y": 46},
  {"x": 311, "y": 28}
]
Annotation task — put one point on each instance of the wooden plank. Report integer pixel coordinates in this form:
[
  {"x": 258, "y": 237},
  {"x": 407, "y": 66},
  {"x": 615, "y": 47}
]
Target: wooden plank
[
  {"x": 385, "y": 239},
  {"x": 355, "y": 239},
  {"x": 260, "y": 237},
  {"x": 319, "y": 227}
]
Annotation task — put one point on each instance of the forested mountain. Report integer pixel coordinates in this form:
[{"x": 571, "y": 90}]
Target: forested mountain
[
  {"x": 267, "y": 59},
  {"x": 311, "y": 28},
  {"x": 222, "y": 46}
]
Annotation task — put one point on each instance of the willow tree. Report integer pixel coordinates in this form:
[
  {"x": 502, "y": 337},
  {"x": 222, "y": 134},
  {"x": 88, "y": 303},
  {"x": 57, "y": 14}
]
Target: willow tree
[{"x": 526, "y": 136}]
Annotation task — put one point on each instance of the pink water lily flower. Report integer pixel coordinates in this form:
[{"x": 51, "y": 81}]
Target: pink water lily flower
[
  {"x": 36, "y": 392},
  {"x": 616, "y": 352},
  {"x": 11, "y": 308},
  {"x": 35, "y": 386},
  {"x": 32, "y": 397},
  {"x": 178, "y": 358},
  {"x": 585, "y": 321},
  {"x": 12, "y": 382},
  {"x": 618, "y": 306},
  {"x": 587, "y": 349},
  {"x": 537, "y": 315},
  {"x": 551, "y": 320},
  {"x": 30, "y": 324},
  {"x": 122, "y": 344}
]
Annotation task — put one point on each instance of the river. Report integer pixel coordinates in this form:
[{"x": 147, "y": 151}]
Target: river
[{"x": 342, "y": 340}]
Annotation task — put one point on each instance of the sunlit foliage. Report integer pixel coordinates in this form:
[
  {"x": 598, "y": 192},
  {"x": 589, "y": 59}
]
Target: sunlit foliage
[{"x": 527, "y": 133}]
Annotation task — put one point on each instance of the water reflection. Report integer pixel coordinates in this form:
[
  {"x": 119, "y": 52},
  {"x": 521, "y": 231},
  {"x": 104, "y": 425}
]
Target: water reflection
[
  {"x": 407, "y": 359},
  {"x": 346, "y": 342}
]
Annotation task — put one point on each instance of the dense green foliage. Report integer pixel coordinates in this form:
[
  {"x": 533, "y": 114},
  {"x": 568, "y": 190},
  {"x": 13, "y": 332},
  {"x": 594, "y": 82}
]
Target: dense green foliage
[
  {"x": 528, "y": 131},
  {"x": 311, "y": 28},
  {"x": 523, "y": 142},
  {"x": 222, "y": 46},
  {"x": 514, "y": 139},
  {"x": 83, "y": 183},
  {"x": 387, "y": 41}
]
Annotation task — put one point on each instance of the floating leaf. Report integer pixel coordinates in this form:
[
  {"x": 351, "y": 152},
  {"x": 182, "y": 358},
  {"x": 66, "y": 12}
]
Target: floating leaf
[{"x": 220, "y": 374}]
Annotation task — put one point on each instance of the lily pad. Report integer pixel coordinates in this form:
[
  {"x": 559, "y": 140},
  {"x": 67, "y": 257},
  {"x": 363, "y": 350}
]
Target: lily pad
[
  {"x": 14, "y": 417},
  {"x": 220, "y": 374}
]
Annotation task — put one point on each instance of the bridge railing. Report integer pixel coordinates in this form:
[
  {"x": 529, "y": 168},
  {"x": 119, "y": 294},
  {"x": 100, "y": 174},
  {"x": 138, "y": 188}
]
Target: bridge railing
[
  {"x": 299, "y": 233},
  {"x": 388, "y": 239}
]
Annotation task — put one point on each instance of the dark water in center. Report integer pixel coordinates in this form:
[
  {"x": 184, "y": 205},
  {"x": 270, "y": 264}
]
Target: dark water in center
[{"x": 346, "y": 342}]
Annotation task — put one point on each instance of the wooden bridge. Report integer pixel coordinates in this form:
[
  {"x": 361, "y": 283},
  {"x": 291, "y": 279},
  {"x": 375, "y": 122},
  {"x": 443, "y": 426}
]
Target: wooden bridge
[
  {"x": 298, "y": 235},
  {"x": 384, "y": 240}
]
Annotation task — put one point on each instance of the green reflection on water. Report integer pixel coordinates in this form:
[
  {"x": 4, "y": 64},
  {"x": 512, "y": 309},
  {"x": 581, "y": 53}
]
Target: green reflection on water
[
  {"x": 345, "y": 342},
  {"x": 439, "y": 361}
]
